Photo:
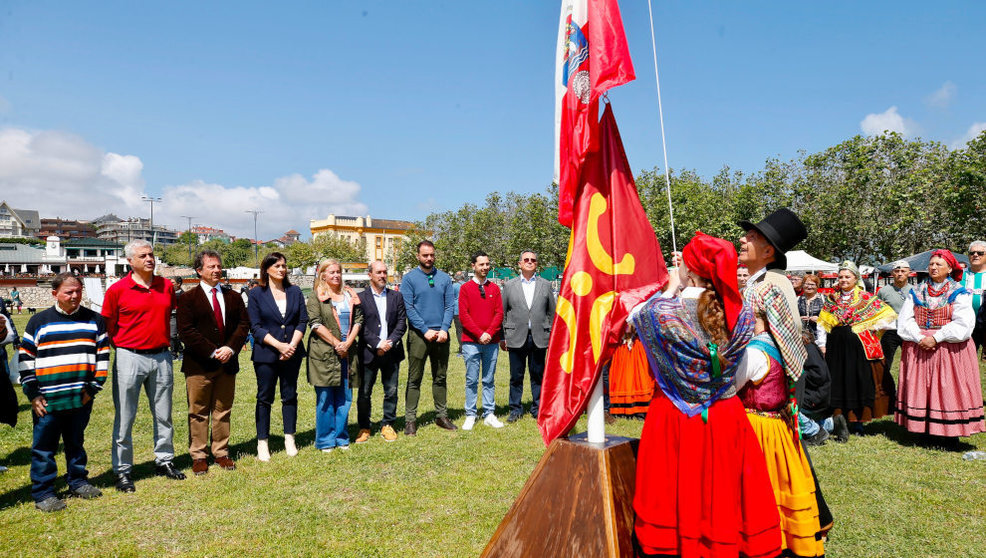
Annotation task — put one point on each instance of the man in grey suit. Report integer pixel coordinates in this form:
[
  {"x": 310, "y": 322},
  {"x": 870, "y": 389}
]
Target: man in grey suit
[{"x": 528, "y": 310}]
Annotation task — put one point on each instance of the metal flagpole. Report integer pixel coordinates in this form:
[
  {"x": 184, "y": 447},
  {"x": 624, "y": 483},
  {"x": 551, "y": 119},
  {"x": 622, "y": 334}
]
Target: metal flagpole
[{"x": 660, "y": 111}]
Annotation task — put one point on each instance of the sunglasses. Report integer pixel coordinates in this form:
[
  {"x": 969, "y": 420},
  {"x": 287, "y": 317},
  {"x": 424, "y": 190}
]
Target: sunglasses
[
  {"x": 530, "y": 260},
  {"x": 431, "y": 280},
  {"x": 976, "y": 253},
  {"x": 482, "y": 291}
]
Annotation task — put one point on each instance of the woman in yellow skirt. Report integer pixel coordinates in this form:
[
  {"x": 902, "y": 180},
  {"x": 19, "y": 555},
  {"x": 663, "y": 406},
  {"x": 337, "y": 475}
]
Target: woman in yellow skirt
[{"x": 767, "y": 392}]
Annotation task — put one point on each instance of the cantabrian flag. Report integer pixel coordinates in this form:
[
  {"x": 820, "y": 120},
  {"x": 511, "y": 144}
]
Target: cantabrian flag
[
  {"x": 592, "y": 57},
  {"x": 614, "y": 262}
]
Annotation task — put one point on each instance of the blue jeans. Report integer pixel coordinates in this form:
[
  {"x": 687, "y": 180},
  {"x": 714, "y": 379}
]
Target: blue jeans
[
  {"x": 809, "y": 426},
  {"x": 332, "y": 412},
  {"x": 480, "y": 356},
  {"x": 69, "y": 426}
]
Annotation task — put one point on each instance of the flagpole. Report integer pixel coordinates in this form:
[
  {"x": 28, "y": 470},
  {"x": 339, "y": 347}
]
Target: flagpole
[
  {"x": 596, "y": 423},
  {"x": 660, "y": 111}
]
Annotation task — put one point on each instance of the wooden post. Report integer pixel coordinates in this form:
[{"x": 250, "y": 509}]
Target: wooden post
[{"x": 577, "y": 502}]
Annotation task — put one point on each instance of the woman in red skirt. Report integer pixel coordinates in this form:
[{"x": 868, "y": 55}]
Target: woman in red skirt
[
  {"x": 940, "y": 393},
  {"x": 703, "y": 488}
]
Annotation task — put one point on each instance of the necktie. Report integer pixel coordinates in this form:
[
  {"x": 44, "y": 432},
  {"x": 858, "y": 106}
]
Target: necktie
[{"x": 218, "y": 312}]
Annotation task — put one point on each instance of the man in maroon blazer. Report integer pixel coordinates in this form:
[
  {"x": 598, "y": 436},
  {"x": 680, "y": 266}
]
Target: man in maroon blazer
[{"x": 213, "y": 325}]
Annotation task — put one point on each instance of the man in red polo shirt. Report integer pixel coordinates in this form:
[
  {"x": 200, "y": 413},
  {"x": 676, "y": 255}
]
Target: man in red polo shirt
[
  {"x": 481, "y": 314},
  {"x": 137, "y": 310}
]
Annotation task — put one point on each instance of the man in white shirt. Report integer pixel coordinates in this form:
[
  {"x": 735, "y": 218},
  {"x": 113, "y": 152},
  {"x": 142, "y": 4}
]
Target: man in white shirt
[
  {"x": 213, "y": 324},
  {"x": 528, "y": 312},
  {"x": 380, "y": 350},
  {"x": 974, "y": 280}
]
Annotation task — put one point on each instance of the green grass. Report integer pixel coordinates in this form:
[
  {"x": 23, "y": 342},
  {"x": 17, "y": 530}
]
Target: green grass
[{"x": 439, "y": 494}]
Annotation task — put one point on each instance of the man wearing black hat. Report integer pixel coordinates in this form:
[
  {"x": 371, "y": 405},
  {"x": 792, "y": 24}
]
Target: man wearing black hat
[{"x": 763, "y": 249}]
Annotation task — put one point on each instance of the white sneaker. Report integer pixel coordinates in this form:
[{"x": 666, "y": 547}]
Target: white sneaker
[
  {"x": 470, "y": 422},
  {"x": 263, "y": 452},
  {"x": 492, "y": 421},
  {"x": 289, "y": 447}
]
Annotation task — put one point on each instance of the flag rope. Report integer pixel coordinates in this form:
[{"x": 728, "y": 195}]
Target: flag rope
[{"x": 660, "y": 112}]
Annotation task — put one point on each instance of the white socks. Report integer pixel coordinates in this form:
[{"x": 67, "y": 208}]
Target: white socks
[
  {"x": 289, "y": 446},
  {"x": 263, "y": 453}
]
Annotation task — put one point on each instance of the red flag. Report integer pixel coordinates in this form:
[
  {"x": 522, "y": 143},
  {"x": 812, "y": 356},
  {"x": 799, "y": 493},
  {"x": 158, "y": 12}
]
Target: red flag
[
  {"x": 614, "y": 263},
  {"x": 593, "y": 56}
]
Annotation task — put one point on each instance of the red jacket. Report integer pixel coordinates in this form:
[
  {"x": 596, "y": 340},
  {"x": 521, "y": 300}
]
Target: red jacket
[{"x": 480, "y": 315}]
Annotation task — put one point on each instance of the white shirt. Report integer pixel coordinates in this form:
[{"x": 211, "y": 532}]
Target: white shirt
[
  {"x": 956, "y": 331},
  {"x": 380, "y": 299},
  {"x": 219, "y": 295},
  {"x": 529, "y": 287}
]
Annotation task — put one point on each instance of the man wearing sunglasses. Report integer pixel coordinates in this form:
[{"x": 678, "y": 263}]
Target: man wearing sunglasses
[
  {"x": 974, "y": 279},
  {"x": 428, "y": 301},
  {"x": 528, "y": 311},
  {"x": 481, "y": 314}
]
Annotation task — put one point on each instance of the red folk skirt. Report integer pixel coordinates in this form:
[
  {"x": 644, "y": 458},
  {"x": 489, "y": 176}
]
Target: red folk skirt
[
  {"x": 631, "y": 386},
  {"x": 703, "y": 489}
]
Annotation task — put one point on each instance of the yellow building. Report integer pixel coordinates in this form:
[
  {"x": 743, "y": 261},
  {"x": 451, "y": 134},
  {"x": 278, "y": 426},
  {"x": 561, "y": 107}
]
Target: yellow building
[{"x": 383, "y": 237}]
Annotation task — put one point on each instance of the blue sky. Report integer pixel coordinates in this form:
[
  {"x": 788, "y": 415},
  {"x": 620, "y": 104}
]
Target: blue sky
[{"x": 401, "y": 108}]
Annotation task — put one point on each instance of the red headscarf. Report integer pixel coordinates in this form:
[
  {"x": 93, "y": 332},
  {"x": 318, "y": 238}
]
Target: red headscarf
[
  {"x": 949, "y": 258},
  {"x": 715, "y": 259}
]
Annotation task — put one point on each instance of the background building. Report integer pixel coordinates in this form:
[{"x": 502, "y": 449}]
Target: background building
[
  {"x": 66, "y": 229},
  {"x": 206, "y": 234},
  {"x": 18, "y": 223},
  {"x": 112, "y": 228},
  {"x": 383, "y": 237}
]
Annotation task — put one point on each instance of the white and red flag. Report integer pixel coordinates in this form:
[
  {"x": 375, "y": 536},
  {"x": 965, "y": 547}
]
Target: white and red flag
[{"x": 592, "y": 57}]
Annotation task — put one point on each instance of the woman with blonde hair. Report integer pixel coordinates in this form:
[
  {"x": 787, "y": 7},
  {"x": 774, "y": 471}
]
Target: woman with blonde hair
[{"x": 333, "y": 367}]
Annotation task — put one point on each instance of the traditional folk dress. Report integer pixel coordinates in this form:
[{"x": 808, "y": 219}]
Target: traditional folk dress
[
  {"x": 631, "y": 386},
  {"x": 702, "y": 485},
  {"x": 862, "y": 387},
  {"x": 940, "y": 390},
  {"x": 766, "y": 392}
]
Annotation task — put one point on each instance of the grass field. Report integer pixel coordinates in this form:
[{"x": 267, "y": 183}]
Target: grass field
[{"x": 441, "y": 494}]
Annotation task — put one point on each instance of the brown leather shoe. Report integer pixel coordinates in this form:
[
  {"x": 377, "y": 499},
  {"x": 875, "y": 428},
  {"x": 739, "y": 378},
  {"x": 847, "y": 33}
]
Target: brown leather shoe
[
  {"x": 363, "y": 436},
  {"x": 444, "y": 422},
  {"x": 226, "y": 463},
  {"x": 200, "y": 466},
  {"x": 410, "y": 429}
]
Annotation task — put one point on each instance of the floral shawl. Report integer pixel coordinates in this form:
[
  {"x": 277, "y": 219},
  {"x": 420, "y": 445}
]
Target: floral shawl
[
  {"x": 864, "y": 312},
  {"x": 679, "y": 352}
]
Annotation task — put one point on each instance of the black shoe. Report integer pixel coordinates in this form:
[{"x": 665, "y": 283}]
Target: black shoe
[
  {"x": 444, "y": 422},
  {"x": 50, "y": 504},
  {"x": 410, "y": 429},
  {"x": 169, "y": 470},
  {"x": 818, "y": 439},
  {"x": 841, "y": 429},
  {"x": 514, "y": 417},
  {"x": 86, "y": 492},
  {"x": 124, "y": 483}
]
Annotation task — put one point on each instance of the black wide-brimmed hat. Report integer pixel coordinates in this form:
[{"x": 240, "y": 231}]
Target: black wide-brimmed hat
[{"x": 782, "y": 229}]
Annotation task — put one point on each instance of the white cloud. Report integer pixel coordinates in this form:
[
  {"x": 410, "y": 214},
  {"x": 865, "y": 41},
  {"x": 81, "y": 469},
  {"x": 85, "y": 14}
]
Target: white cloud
[
  {"x": 943, "y": 96},
  {"x": 887, "y": 121},
  {"x": 970, "y": 134},
  {"x": 63, "y": 175}
]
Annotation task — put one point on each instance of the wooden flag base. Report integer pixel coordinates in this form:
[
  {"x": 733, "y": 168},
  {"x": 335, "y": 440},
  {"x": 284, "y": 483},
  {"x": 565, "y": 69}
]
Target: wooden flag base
[{"x": 577, "y": 502}]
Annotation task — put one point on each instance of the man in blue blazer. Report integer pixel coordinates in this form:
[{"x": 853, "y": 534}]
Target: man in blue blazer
[{"x": 381, "y": 350}]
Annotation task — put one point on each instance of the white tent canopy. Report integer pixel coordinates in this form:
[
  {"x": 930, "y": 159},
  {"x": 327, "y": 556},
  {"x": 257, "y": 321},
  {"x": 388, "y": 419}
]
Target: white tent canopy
[{"x": 799, "y": 260}]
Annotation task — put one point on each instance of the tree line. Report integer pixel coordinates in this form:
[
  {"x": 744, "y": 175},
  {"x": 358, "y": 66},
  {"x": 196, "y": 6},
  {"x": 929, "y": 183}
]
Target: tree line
[{"x": 868, "y": 199}]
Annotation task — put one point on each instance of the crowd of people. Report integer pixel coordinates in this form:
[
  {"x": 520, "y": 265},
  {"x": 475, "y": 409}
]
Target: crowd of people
[
  {"x": 748, "y": 368},
  {"x": 352, "y": 337}
]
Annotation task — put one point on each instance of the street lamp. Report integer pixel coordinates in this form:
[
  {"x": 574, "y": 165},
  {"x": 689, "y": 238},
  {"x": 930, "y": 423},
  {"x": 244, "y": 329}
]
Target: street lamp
[
  {"x": 256, "y": 241},
  {"x": 189, "y": 229},
  {"x": 151, "y": 199}
]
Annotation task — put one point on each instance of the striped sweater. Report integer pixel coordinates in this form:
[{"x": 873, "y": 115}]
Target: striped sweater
[{"x": 61, "y": 356}]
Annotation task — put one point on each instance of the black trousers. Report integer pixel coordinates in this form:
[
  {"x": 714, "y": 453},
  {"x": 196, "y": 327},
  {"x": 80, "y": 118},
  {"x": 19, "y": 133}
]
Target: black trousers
[
  {"x": 388, "y": 375},
  {"x": 269, "y": 374},
  {"x": 528, "y": 356}
]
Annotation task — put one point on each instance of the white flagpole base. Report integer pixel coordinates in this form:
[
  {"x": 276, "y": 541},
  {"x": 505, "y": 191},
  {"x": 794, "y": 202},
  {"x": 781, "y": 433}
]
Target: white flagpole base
[{"x": 596, "y": 431}]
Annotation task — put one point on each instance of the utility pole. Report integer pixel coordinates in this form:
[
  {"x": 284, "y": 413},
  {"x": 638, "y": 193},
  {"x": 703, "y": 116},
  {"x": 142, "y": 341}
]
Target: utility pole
[
  {"x": 256, "y": 241},
  {"x": 189, "y": 229},
  {"x": 151, "y": 199}
]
